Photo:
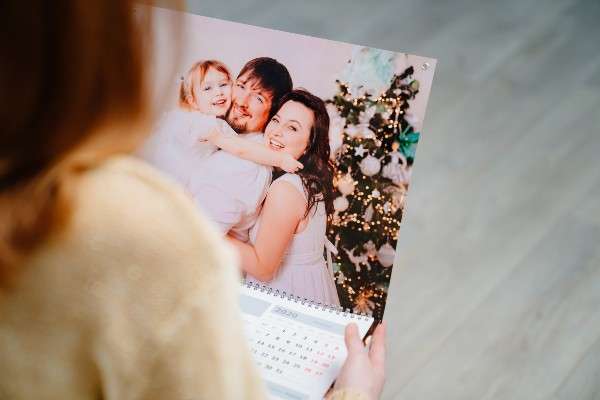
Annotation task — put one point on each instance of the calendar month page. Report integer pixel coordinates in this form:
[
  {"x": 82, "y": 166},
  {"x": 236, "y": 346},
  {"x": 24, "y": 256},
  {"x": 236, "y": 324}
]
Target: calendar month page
[{"x": 299, "y": 347}]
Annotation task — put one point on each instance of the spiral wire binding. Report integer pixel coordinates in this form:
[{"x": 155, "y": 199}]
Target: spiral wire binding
[{"x": 309, "y": 303}]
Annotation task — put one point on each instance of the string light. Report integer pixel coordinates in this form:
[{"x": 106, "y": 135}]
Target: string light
[{"x": 351, "y": 225}]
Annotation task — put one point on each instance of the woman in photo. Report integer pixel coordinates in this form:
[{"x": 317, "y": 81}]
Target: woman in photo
[{"x": 287, "y": 242}]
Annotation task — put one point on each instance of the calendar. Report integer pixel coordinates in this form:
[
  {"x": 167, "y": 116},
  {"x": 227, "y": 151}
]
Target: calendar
[{"x": 297, "y": 345}]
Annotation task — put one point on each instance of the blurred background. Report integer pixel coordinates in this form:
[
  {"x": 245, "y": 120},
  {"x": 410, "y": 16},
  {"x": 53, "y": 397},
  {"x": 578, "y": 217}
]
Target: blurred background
[{"x": 495, "y": 290}]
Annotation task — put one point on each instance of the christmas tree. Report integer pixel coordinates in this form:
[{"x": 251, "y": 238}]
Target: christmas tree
[{"x": 373, "y": 147}]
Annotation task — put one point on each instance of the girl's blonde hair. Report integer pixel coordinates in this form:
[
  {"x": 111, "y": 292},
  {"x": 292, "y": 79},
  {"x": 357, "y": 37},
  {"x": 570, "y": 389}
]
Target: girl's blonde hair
[
  {"x": 73, "y": 94},
  {"x": 197, "y": 73}
]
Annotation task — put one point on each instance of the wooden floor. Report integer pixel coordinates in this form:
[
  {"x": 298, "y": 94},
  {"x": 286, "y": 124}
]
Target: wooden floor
[{"x": 496, "y": 289}]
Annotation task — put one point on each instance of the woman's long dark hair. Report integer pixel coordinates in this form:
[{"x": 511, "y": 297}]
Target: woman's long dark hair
[{"x": 317, "y": 174}]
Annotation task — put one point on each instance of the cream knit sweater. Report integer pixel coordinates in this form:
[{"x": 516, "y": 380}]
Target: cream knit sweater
[{"x": 137, "y": 299}]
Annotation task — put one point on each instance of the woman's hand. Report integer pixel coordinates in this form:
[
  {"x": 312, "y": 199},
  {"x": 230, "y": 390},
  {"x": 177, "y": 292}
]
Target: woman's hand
[
  {"x": 363, "y": 371},
  {"x": 290, "y": 164}
]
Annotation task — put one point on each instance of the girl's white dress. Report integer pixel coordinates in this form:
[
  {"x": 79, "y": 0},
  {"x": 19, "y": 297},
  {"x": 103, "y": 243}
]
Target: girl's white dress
[
  {"x": 173, "y": 146},
  {"x": 303, "y": 271}
]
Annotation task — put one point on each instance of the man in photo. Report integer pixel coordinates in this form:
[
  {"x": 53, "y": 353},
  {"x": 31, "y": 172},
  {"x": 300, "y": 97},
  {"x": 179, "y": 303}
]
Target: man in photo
[{"x": 260, "y": 84}]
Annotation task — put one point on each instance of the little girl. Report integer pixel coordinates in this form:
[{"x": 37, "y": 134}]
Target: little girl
[{"x": 190, "y": 133}]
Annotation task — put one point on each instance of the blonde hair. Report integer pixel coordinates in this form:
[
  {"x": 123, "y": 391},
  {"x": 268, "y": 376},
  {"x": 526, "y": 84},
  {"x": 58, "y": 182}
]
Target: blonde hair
[
  {"x": 73, "y": 94},
  {"x": 197, "y": 73}
]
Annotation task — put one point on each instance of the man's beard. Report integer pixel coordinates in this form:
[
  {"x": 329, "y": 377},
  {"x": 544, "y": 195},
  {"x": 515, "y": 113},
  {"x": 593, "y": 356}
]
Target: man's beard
[{"x": 236, "y": 126}]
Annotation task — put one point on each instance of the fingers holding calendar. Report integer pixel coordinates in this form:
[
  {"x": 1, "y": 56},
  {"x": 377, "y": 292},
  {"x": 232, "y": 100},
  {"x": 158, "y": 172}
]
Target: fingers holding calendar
[
  {"x": 377, "y": 348},
  {"x": 363, "y": 370}
]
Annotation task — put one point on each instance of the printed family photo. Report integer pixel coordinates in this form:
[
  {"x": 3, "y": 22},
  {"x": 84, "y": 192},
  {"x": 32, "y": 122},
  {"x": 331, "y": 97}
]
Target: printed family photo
[{"x": 300, "y": 150}]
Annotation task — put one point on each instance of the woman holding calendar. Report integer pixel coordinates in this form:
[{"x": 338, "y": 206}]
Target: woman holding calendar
[
  {"x": 108, "y": 275},
  {"x": 287, "y": 242}
]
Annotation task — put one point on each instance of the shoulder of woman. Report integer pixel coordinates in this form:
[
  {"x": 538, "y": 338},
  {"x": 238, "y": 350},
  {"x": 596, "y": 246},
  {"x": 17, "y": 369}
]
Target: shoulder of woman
[
  {"x": 293, "y": 180},
  {"x": 286, "y": 197}
]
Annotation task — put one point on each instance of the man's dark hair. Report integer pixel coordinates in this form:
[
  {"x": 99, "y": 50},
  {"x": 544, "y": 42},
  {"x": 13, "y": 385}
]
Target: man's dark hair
[{"x": 271, "y": 75}]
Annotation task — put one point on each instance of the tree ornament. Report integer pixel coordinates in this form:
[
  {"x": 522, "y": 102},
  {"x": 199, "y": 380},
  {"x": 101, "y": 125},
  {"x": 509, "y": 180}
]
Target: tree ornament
[
  {"x": 346, "y": 184},
  {"x": 395, "y": 170},
  {"x": 385, "y": 255},
  {"x": 396, "y": 194},
  {"x": 362, "y": 258},
  {"x": 363, "y": 304},
  {"x": 341, "y": 204},
  {"x": 415, "y": 85},
  {"x": 341, "y": 278},
  {"x": 370, "y": 165},
  {"x": 368, "y": 216},
  {"x": 386, "y": 207},
  {"x": 376, "y": 194},
  {"x": 360, "y": 151}
]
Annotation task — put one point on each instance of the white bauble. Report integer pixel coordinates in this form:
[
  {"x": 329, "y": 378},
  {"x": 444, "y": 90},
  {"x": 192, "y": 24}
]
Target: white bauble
[
  {"x": 370, "y": 165},
  {"x": 376, "y": 194},
  {"x": 385, "y": 255},
  {"x": 341, "y": 204},
  {"x": 346, "y": 185}
]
